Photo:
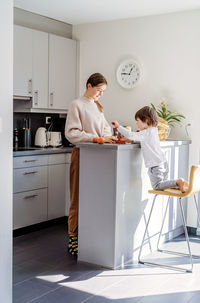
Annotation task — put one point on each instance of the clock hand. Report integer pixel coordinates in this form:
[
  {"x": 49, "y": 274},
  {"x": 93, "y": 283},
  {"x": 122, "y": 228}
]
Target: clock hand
[
  {"x": 131, "y": 70},
  {"x": 125, "y": 74}
]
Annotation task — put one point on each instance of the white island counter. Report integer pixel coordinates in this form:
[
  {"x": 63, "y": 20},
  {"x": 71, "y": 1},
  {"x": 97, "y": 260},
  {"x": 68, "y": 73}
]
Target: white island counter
[{"x": 114, "y": 201}]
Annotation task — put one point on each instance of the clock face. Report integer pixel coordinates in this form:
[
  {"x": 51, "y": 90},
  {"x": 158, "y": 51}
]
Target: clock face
[{"x": 128, "y": 74}]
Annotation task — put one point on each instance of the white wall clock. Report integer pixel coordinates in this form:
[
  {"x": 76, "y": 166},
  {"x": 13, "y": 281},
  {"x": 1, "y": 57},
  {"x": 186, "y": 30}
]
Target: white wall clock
[{"x": 128, "y": 73}]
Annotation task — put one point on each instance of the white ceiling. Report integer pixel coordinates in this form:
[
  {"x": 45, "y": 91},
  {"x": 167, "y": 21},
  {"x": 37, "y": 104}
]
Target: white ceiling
[{"x": 87, "y": 11}]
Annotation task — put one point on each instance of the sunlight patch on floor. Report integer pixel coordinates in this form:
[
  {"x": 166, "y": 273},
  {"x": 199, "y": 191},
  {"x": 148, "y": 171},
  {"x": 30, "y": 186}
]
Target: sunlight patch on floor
[
  {"x": 138, "y": 282},
  {"x": 53, "y": 278}
]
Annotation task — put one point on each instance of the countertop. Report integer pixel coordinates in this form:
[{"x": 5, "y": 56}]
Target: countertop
[
  {"x": 115, "y": 146},
  {"x": 32, "y": 151}
]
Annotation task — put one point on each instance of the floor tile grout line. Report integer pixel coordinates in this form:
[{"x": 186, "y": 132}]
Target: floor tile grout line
[
  {"x": 125, "y": 278},
  {"x": 44, "y": 294},
  {"x": 52, "y": 290},
  {"x": 107, "y": 287},
  {"x": 191, "y": 298},
  {"x": 32, "y": 277}
]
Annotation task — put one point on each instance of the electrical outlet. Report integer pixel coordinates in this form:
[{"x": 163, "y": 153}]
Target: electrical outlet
[{"x": 48, "y": 120}]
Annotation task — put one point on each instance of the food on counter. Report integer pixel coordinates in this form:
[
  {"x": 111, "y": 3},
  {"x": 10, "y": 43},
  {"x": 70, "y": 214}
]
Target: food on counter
[{"x": 99, "y": 140}]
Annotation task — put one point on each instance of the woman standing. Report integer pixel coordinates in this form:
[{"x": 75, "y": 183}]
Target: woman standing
[{"x": 85, "y": 123}]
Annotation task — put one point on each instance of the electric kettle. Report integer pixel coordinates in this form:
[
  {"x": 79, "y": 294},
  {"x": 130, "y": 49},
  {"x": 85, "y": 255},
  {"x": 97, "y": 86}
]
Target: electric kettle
[{"x": 41, "y": 137}]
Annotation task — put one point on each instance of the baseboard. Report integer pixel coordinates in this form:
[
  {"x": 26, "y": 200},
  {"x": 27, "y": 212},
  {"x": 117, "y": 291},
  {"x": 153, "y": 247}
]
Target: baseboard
[
  {"x": 39, "y": 226},
  {"x": 193, "y": 231}
]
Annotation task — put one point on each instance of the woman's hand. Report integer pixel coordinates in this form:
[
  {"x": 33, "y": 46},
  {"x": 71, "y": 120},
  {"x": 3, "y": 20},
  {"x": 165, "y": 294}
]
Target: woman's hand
[
  {"x": 110, "y": 139},
  {"x": 115, "y": 123}
]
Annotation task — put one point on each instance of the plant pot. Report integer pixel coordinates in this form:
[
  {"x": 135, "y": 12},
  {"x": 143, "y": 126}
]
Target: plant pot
[{"x": 163, "y": 129}]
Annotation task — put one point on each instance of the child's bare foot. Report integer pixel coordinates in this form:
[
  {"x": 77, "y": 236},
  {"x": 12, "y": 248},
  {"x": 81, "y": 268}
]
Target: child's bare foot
[{"x": 182, "y": 185}]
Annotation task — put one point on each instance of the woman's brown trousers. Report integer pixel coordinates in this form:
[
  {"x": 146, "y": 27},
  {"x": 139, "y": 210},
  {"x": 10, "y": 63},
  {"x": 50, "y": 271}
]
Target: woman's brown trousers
[{"x": 74, "y": 193}]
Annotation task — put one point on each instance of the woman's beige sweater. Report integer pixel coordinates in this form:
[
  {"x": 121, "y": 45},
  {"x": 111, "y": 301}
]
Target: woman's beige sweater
[{"x": 85, "y": 121}]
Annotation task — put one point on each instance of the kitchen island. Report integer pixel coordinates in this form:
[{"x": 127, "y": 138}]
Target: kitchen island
[{"x": 114, "y": 201}]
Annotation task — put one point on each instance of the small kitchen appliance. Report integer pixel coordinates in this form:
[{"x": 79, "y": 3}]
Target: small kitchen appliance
[
  {"x": 41, "y": 139},
  {"x": 54, "y": 139},
  {"x": 25, "y": 134}
]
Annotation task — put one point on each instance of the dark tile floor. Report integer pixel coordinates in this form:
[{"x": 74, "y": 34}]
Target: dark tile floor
[{"x": 45, "y": 273}]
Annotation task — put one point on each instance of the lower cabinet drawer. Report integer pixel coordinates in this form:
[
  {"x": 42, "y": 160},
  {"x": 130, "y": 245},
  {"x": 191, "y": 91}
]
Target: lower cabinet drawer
[
  {"x": 29, "y": 208},
  {"x": 29, "y": 161},
  {"x": 29, "y": 178}
]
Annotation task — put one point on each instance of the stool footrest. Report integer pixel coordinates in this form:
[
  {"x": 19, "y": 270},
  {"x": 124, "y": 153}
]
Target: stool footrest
[
  {"x": 166, "y": 266},
  {"x": 178, "y": 253}
]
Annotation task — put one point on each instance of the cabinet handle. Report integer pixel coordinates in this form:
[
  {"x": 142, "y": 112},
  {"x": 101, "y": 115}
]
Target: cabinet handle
[
  {"x": 29, "y": 197},
  {"x": 30, "y": 86},
  {"x": 51, "y": 99},
  {"x": 29, "y": 161},
  {"x": 30, "y": 172},
  {"x": 36, "y": 97}
]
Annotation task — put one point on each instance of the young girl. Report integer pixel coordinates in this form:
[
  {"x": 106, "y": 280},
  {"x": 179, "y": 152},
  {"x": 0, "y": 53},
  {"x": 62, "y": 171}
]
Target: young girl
[
  {"x": 85, "y": 123},
  {"x": 154, "y": 158}
]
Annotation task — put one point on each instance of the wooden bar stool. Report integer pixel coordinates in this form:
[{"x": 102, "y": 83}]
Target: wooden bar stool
[{"x": 194, "y": 187}]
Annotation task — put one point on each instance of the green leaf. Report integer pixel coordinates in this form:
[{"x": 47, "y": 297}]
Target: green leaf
[
  {"x": 171, "y": 117},
  {"x": 176, "y": 116},
  {"x": 159, "y": 112},
  {"x": 153, "y": 106}
]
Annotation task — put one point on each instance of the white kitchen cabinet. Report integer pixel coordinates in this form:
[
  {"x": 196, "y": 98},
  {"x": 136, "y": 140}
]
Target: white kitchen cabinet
[
  {"x": 44, "y": 69},
  {"x": 30, "y": 161},
  {"x": 62, "y": 71},
  {"x": 22, "y": 57},
  {"x": 29, "y": 208},
  {"x": 30, "y": 190},
  {"x": 56, "y": 191},
  {"x": 31, "y": 65},
  {"x": 58, "y": 187},
  {"x": 41, "y": 188},
  {"x": 29, "y": 178},
  {"x": 40, "y": 70}
]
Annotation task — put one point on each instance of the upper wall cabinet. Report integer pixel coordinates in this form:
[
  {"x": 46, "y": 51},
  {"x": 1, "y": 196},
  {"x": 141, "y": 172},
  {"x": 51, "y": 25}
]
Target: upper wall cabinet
[
  {"x": 40, "y": 70},
  {"x": 23, "y": 53},
  {"x": 62, "y": 71},
  {"x": 44, "y": 69}
]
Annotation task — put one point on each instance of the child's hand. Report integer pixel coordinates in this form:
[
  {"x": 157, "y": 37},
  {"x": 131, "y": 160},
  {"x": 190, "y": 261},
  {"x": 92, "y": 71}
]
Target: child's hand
[
  {"x": 127, "y": 140},
  {"x": 115, "y": 123},
  {"x": 110, "y": 139}
]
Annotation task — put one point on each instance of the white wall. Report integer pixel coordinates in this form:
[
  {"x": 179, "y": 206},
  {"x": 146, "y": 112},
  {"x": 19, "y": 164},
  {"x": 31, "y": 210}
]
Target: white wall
[
  {"x": 168, "y": 48},
  {"x": 6, "y": 72}
]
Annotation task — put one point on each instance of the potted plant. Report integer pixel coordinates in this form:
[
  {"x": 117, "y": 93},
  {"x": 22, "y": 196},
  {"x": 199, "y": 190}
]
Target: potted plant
[{"x": 167, "y": 118}]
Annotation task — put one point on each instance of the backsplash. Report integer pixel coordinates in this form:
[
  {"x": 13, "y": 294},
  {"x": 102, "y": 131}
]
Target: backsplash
[{"x": 39, "y": 120}]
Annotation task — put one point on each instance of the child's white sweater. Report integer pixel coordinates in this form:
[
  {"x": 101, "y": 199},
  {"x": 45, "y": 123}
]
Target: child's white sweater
[{"x": 150, "y": 145}]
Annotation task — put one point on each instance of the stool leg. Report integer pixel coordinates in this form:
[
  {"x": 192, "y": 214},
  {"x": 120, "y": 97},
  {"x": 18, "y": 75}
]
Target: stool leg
[
  {"x": 186, "y": 234},
  {"x": 170, "y": 251},
  {"x": 187, "y": 239},
  {"x": 160, "y": 234},
  {"x": 146, "y": 229},
  {"x": 198, "y": 214}
]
